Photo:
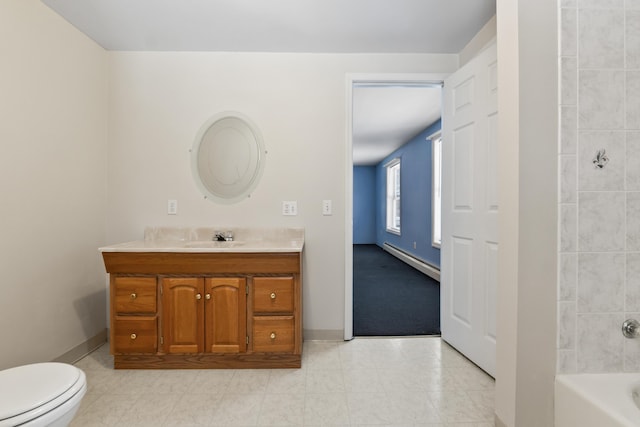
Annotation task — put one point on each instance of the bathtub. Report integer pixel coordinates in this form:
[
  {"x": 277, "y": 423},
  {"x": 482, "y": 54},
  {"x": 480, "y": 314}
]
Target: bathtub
[{"x": 597, "y": 400}]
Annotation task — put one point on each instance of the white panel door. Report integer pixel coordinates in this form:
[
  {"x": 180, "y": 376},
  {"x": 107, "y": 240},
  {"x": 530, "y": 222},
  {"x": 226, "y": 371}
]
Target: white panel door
[{"x": 470, "y": 210}]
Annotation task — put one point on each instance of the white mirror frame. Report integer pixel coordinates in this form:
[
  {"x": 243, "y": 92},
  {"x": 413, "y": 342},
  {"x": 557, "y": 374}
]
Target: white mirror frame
[{"x": 228, "y": 157}]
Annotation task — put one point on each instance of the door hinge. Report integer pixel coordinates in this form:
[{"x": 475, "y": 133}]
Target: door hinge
[
  {"x": 161, "y": 340},
  {"x": 247, "y": 340},
  {"x": 246, "y": 289}
]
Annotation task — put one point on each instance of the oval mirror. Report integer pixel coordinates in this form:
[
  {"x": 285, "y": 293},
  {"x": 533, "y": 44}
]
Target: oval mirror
[{"x": 227, "y": 158}]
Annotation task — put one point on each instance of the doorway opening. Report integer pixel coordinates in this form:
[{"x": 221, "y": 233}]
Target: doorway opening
[{"x": 411, "y": 238}]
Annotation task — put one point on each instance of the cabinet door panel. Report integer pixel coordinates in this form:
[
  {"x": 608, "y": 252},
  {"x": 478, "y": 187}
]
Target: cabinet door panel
[
  {"x": 225, "y": 315},
  {"x": 135, "y": 294},
  {"x": 183, "y": 314},
  {"x": 273, "y": 294}
]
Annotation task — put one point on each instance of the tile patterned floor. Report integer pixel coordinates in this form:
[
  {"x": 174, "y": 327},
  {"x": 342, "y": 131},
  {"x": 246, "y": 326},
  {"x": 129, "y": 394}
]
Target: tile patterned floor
[{"x": 395, "y": 382}]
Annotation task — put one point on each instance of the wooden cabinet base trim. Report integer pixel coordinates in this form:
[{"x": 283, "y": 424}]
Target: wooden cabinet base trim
[
  {"x": 208, "y": 361},
  {"x": 201, "y": 263}
]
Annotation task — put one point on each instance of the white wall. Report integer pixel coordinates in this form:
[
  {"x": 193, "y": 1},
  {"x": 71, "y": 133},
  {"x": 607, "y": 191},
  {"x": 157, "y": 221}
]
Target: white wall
[
  {"x": 158, "y": 101},
  {"x": 53, "y": 113}
]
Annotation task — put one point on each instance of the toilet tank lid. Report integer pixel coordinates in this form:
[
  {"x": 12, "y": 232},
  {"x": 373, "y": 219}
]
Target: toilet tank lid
[{"x": 25, "y": 388}]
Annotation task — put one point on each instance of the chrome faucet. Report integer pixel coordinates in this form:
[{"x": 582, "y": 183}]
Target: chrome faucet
[{"x": 227, "y": 236}]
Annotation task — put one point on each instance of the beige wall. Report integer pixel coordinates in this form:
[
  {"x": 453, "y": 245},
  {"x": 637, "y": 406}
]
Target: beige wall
[
  {"x": 160, "y": 100},
  {"x": 508, "y": 173},
  {"x": 527, "y": 278},
  {"x": 53, "y": 114},
  {"x": 479, "y": 42}
]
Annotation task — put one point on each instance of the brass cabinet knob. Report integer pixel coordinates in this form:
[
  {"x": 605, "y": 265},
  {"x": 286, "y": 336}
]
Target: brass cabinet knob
[
  {"x": 273, "y": 335},
  {"x": 134, "y": 336},
  {"x": 198, "y": 296},
  {"x": 273, "y": 295},
  {"x": 134, "y": 296},
  {"x": 207, "y": 296}
]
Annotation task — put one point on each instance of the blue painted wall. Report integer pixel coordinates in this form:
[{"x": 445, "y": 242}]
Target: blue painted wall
[
  {"x": 364, "y": 205},
  {"x": 415, "y": 208}
]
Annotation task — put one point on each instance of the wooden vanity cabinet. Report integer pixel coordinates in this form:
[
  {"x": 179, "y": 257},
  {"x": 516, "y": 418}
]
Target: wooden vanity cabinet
[{"x": 205, "y": 310}]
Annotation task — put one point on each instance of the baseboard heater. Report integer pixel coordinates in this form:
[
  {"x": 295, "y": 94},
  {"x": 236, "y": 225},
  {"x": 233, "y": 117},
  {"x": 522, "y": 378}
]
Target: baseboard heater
[{"x": 420, "y": 265}]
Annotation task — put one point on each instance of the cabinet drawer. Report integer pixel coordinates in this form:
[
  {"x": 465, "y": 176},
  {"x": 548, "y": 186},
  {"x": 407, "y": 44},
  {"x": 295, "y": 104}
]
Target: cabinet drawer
[
  {"x": 273, "y": 334},
  {"x": 135, "y": 295},
  {"x": 135, "y": 335},
  {"x": 273, "y": 294}
]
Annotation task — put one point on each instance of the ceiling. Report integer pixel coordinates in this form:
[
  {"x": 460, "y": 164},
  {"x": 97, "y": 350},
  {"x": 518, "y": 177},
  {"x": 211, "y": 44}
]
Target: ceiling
[
  {"x": 385, "y": 117},
  {"x": 382, "y": 115}
]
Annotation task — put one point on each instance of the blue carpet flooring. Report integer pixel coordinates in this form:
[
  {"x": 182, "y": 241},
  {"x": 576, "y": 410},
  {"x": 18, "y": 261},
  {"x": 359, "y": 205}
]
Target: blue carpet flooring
[{"x": 391, "y": 298}]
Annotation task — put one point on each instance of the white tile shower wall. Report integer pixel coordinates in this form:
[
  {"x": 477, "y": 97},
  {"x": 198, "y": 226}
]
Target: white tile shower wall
[
  {"x": 599, "y": 207},
  {"x": 633, "y": 161}
]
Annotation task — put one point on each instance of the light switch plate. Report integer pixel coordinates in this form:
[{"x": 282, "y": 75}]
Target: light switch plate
[
  {"x": 327, "y": 209},
  {"x": 290, "y": 208},
  {"x": 172, "y": 207}
]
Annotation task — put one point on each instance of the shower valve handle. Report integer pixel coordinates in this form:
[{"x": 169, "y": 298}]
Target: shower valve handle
[{"x": 631, "y": 328}]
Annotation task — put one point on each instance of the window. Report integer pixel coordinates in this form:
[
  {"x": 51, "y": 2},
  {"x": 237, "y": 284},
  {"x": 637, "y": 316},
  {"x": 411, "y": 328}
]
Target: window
[
  {"x": 436, "y": 191},
  {"x": 393, "y": 196}
]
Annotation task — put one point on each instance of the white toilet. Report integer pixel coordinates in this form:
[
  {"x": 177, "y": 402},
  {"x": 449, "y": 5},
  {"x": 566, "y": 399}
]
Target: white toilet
[{"x": 42, "y": 394}]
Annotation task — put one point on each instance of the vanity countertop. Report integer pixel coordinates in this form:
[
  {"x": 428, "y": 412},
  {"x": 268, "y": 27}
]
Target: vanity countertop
[{"x": 201, "y": 240}]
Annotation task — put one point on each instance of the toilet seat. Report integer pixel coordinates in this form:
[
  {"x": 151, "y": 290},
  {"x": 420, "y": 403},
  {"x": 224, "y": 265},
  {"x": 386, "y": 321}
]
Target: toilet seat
[{"x": 30, "y": 391}]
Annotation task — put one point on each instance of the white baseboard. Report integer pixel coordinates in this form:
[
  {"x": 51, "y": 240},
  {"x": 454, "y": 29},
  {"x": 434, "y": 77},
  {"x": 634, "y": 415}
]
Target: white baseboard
[{"x": 420, "y": 265}]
